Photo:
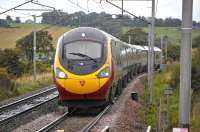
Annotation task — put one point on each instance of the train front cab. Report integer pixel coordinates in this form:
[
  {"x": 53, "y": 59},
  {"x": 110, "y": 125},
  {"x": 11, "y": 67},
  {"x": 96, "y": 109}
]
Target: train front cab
[{"x": 85, "y": 90}]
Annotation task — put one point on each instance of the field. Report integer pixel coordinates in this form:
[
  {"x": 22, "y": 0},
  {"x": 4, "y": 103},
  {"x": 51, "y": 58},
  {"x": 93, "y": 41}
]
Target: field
[
  {"x": 10, "y": 35},
  {"x": 18, "y": 31},
  {"x": 173, "y": 33}
]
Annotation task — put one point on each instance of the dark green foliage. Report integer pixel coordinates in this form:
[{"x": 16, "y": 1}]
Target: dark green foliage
[
  {"x": 195, "y": 77},
  {"x": 3, "y": 23},
  {"x": 29, "y": 21},
  {"x": 196, "y": 42},
  {"x": 4, "y": 78},
  {"x": 7, "y": 86},
  {"x": 175, "y": 75},
  {"x": 172, "y": 22},
  {"x": 44, "y": 45},
  {"x": 173, "y": 52},
  {"x": 98, "y": 19},
  {"x": 17, "y": 20},
  {"x": 9, "y": 19},
  {"x": 112, "y": 28},
  {"x": 10, "y": 59},
  {"x": 196, "y": 71},
  {"x": 137, "y": 36}
]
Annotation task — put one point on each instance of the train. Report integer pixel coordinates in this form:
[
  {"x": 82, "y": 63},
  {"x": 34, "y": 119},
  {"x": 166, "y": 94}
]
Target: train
[{"x": 91, "y": 67}]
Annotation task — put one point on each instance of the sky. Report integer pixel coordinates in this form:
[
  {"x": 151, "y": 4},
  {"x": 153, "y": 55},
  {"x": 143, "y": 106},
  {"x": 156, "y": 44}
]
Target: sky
[{"x": 164, "y": 8}]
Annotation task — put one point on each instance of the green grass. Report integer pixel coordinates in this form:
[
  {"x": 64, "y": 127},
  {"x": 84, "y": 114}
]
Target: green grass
[
  {"x": 161, "y": 81},
  {"x": 27, "y": 83},
  {"x": 26, "y": 25},
  {"x": 195, "y": 120},
  {"x": 9, "y": 36},
  {"x": 173, "y": 33}
]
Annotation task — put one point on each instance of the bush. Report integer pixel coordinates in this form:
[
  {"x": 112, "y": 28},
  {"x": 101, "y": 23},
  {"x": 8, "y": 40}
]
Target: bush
[
  {"x": 44, "y": 45},
  {"x": 196, "y": 71},
  {"x": 7, "y": 86},
  {"x": 173, "y": 52},
  {"x": 3, "y": 23},
  {"x": 10, "y": 59},
  {"x": 196, "y": 42},
  {"x": 175, "y": 75}
]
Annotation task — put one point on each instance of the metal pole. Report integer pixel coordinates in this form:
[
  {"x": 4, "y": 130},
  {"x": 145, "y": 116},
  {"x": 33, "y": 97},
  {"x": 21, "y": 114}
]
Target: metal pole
[
  {"x": 122, "y": 7},
  {"x": 166, "y": 45},
  {"x": 161, "y": 46},
  {"x": 152, "y": 52},
  {"x": 185, "y": 64},
  {"x": 149, "y": 62},
  {"x": 34, "y": 47},
  {"x": 129, "y": 39},
  {"x": 167, "y": 121}
]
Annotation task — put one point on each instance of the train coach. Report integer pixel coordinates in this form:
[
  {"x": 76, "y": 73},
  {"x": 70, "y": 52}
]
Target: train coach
[{"x": 91, "y": 67}]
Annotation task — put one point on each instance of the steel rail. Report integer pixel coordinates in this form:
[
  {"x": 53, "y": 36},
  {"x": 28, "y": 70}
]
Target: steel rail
[
  {"x": 27, "y": 98},
  {"x": 54, "y": 123},
  {"x": 89, "y": 126},
  {"x": 27, "y": 110},
  {"x": 106, "y": 129}
]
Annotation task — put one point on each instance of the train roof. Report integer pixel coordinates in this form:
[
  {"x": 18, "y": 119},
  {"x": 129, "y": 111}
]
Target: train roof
[
  {"x": 138, "y": 47},
  {"x": 84, "y": 33},
  {"x": 96, "y": 34},
  {"x": 155, "y": 48}
]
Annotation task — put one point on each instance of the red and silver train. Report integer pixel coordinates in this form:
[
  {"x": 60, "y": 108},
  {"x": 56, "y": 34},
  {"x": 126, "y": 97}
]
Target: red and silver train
[{"x": 92, "y": 67}]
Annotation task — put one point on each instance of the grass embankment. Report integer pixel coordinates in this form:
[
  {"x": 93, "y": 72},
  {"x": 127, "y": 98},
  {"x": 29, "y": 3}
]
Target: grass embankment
[
  {"x": 26, "y": 84},
  {"x": 10, "y": 35},
  {"x": 161, "y": 81},
  {"x": 195, "y": 114}
]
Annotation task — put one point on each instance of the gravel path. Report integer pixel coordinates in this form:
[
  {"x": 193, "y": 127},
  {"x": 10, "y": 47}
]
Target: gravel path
[{"x": 126, "y": 115}]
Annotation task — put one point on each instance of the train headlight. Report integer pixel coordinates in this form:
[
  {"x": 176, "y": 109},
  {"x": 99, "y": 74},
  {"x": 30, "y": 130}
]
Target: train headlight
[
  {"x": 60, "y": 74},
  {"x": 104, "y": 73}
]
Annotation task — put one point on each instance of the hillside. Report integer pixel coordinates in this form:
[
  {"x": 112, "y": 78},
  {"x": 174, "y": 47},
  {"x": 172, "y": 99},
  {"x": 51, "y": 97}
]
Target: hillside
[
  {"x": 20, "y": 30},
  {"x": 173, "y": 33},
  {"x": 10, "y": 35}
]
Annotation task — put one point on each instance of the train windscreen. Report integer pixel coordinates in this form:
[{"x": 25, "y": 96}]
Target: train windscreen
[
  {"x": 81, "y": 50},
  {"x": 83, "y": 57}
]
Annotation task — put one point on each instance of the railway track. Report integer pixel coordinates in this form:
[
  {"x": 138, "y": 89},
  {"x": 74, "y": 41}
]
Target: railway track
[
  {"x": 14, "y": 109},
  {"x": 88, "y": 127},
  {"x": 66, "y": 115}
]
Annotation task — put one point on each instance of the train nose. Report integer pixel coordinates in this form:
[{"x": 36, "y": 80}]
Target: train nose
[{"x": 82, "y": 86}]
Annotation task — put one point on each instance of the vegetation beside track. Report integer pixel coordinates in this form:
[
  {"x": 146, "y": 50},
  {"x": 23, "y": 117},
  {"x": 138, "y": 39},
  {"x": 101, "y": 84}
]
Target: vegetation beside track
[
  {"x": 170, "y": 77},
  {"x": 24, "y": 84},
  {"x": 161, "y": 82}
]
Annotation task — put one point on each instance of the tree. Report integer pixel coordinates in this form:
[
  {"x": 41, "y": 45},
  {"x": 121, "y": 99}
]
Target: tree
[
  {"x": 9, "y": 19},
  {"x": 10, "y": 59},
  {"x": 196, "y": 71},
  {"x": 137, "y": 36},
  {"x": 3, "y": 23},
  {"x": 97, "y": 19},
  {"x": 196, "y": 42},
  {"x": 29, "y": 21},
  {"x": 112, "y": 28},
  {"x": 173, "y": 52},
  {"x": 17, "y": 20},
  {"x": 43, "y": 47}
]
